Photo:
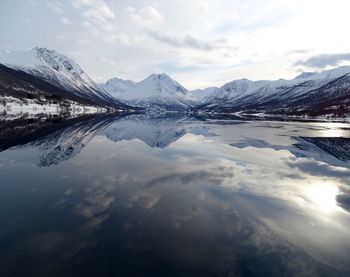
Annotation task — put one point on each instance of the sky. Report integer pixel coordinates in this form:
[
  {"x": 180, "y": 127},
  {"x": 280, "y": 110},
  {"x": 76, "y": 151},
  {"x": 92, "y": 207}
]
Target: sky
[{"x": 200, "y": 43}]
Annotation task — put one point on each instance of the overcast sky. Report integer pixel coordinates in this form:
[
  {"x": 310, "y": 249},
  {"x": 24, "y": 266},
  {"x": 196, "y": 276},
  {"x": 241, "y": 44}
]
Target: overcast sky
[{"x": 199, "y": 43}]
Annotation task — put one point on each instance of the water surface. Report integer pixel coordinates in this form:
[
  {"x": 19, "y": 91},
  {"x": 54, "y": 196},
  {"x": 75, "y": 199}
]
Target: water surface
[{"x": 141, "y": 195}]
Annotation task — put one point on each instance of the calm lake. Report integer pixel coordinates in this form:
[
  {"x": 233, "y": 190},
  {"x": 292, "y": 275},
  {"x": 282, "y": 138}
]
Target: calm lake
[{"x": 142, "y": 195}]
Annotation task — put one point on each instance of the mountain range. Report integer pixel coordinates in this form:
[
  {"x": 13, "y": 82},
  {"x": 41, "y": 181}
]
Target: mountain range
[
  {"x": 327, "y": 92},
  {"x": 45, "y": 75}
]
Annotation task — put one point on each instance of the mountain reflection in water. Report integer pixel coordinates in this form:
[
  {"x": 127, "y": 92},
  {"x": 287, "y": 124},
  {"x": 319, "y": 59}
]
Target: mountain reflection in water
[{"x": 138, "y": 195}]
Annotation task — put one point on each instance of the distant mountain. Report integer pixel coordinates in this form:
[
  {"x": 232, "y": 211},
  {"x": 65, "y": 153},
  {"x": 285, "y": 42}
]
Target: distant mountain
[
  {"x": 158, "y": 90},
  {"x": 47, "y": 77},
  {"x": 304, "y": 75},
  {"x": 202, "y": 94},
  {"x": 118, "y": 87},
  {"x": 60, "y": 71},
  {"x": 322, "y": 93}
]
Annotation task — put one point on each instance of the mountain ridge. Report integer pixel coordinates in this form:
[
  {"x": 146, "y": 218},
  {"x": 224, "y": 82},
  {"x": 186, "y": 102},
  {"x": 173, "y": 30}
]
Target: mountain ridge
[
  {"x": 158, "y": 90},
  {"x": 314, "y": 94},
  {"x": 309, "y": 93},
  {"x": 61, "y": 72}
]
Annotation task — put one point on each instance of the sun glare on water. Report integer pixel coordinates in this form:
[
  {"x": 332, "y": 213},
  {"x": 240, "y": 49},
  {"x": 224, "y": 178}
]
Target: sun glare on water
[
  {"x": 335, "y": 130},
  {"x": 323, "y": 196}
]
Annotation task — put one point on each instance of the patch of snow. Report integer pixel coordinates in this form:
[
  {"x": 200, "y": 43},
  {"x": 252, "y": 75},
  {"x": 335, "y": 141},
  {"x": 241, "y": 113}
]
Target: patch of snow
[{"x": 12, "y": 106}]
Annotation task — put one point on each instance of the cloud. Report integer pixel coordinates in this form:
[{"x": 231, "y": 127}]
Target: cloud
[
  {"x": 324, "y": 60},
  {"x": 320, "y": 169},
  {"x": 108, "y": 61},
  {"x": 95, "y": 11},
  {"x": 27, "y": 20},
  {"x": 121, "y": 38},
  {"x": 33, "y": 3},
  {"x": 76, "y": 54},
  {"x": 61, "y": 37},
  {"x": 300, "y": 51},
  {"x": 145, "y": 17},
  {"x": 56, "y": 7},
  {"x": 65, "y": 21},
  {"x": 91, "y": 28},
  {"x": 97, "y": 16},
  {"x": 84, "y": 41},
  {"x": 191, "y": 42}
]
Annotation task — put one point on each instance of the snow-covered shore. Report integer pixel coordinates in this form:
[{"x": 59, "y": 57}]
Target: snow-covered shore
[{"x": 11, "y": 107}]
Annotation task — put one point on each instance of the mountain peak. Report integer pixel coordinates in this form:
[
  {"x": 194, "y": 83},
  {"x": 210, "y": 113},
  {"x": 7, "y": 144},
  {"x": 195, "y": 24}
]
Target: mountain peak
[
  {"x": 117, "y": 87},
  {"x": 157, "y": 90},
  {"x": 305, "y": 75},
  {"x": 116, "y": 80},
  {"x": 39, "y": 50},
  {"x": 39, "y": 57},
  {"x": 159, "y": 77},
  {"x": 163, "y": 82},
  {"x": 54, "y": 68},
  {"x": 57, "y": 61}
]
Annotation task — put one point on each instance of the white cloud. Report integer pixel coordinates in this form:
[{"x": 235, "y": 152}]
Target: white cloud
[
  {"x": 27, "y": 20},
  {"x": 97, "y": 15},
  {"x": 193, "y": 43},
  {"x": 65, "y": 21},
  {"x": 97, "y": 11},
  {"x": 75, "y": 54},
  {"x": 91, "y": 28},
  {"x": 84, "y": 41},
  {"x": 61, "y": 37},
  {"x": 145, "y": 17},
  {"x": 33, "y": 3},
  {"x": 202, "y": 43},
  {"x": 108, "y": 61},
  {"x": 55, "y": 7}
]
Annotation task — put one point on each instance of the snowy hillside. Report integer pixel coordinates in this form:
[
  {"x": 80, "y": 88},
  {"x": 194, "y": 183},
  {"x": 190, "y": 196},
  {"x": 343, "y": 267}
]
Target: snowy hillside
[
  {"x": 327, "y": 91},
  {"x": 58, "y": 70},
  {"x": 202, "y": 94},
  {"x": 118, "y": 87},
  {"x": 158, "y": 90},
  {"x": 45, "y": 75}
]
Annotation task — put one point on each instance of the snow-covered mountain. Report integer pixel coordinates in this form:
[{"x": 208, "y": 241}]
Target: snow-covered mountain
[
  {"x": 202, "y": 94},
  {"x": 58, "y": 70},
  {"x": 157, "y": 90},
  {"x": 312, "y": 93},
  {"x": 43, "y": 73},
  {"x": 117, "y": 87}
]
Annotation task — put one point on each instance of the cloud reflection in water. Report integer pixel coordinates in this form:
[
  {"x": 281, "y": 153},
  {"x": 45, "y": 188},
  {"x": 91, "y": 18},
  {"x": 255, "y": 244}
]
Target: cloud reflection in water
[{"x": 185, "y": 196}]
